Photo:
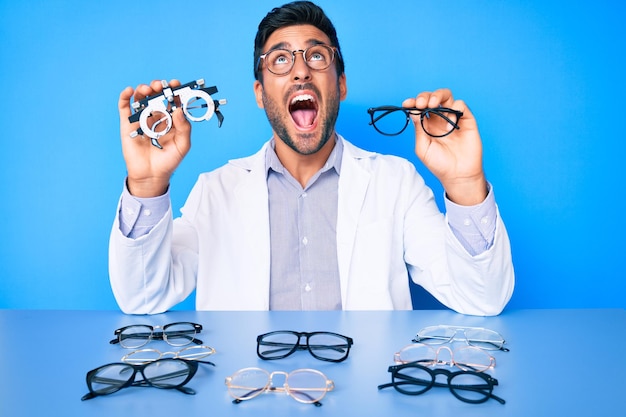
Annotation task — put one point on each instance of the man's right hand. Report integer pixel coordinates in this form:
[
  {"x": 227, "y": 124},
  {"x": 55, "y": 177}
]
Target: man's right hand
[{"x": 150, "y": 168}]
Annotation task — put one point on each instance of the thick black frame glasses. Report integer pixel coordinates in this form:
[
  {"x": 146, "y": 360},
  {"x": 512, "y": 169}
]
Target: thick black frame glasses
[
  {"x": 280, "y": 61},
  {"x": 443, "y": 120},
  {"x": 174, "y": 334},
  {"x": 325, "y": 346},
  {"x": 468, "y": 386},
  {"x": 168, "y": 373}
]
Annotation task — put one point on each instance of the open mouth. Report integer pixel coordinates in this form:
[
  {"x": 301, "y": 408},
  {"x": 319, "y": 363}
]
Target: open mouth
[{"x": 303, "y": 110}]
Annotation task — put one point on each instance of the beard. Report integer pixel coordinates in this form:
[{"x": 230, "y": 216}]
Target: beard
[{"x": 303, "y": 143}]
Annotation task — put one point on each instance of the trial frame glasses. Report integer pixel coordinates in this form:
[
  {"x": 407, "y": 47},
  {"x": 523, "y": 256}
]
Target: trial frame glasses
[
  {"x": 325, "y": 346},
  {"x": 443, "y": 119},
  {"x": 168, "y": 373},
  {"x": 305, "y": 385},
  {"x": 467, "y": 358},
  {"x": 189, "y": 353},
  {"x": 175, "y": 334},
  {"x": 280, "y": 61},
  {"x": 480, "y": 337},
  {"x": 468, "y": 386}
]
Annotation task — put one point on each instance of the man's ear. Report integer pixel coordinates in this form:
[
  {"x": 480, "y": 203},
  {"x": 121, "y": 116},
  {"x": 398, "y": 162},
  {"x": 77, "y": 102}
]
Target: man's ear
[
  {"x": 343, "y": 87},
  {"x": 258, "y": 93}
]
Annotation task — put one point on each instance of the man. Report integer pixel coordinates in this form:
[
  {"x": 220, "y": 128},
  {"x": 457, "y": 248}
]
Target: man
[{"x": 310, "y": 221}]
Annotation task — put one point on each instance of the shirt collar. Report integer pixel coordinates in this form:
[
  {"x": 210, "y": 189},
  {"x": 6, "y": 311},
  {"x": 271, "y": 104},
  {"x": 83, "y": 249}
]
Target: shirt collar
[{"x": 334, "y": 159}]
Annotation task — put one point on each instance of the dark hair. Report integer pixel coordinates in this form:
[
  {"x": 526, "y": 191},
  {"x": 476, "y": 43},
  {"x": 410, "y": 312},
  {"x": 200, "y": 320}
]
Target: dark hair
[{"x": 290, "y": 14}]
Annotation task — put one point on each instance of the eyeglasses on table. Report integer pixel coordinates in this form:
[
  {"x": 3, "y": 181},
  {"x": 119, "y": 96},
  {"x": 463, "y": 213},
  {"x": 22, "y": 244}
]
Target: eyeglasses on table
[
  {"x": 190, "y": 353},
  {"x": 168, "y": 373},
  {"x": 393, "y": 120},
  {"x": 325, "y": 346},
  {"x": 468, "y": 386},
  {"x": 175, "y": 334},
  {"x": 474, "y": 336},
  {"x": 467, "y": 358},
  {"x": 304, "y": 385}
]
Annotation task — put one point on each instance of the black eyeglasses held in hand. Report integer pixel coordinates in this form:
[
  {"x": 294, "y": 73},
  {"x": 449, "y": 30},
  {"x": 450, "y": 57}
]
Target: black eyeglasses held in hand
[
  {"x": 468, "y": 386},
  {"x": 168, "y": 373},
  {"x": 175, "y": 334},
  {"x": 393, "y": 120},
  {"x": 325, "y": 346}
]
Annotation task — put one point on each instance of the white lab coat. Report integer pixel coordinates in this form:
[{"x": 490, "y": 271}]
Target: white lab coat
[{"x": 388, "y": 226}]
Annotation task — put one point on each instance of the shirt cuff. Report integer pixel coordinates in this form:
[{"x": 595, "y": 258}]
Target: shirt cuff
[
  {"x": 138, "y": 216},
  {"x": 474, "y": 226}
]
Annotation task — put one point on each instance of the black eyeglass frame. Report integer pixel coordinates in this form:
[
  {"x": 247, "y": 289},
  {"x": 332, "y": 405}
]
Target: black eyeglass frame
[
  {"x": 398, "y": 379},
  {"x": 159, "y": 335},
  {"x": 334, "y": 49},
  {"x": 423, "y": 113},
  {"x": 303, "y": 346},
  {"x": 192, "y": 367}
]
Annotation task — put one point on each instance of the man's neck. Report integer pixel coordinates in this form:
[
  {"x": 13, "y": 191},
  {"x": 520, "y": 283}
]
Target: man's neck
[{"x": 303, "y": 167}]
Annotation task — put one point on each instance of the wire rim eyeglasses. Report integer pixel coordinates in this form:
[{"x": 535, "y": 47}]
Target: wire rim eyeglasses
[
  {"x": 307, "y": 386},
  {"x": 474, "y": 336},
  {"x": 393, "y": 120},
  {"x": 467, "y": 358},
  {"x": 325, "y": 346},
  {"x": 190, "y": 353},
  {"x": 280, "y": 61},
  {"x": 174, "y": 334}
]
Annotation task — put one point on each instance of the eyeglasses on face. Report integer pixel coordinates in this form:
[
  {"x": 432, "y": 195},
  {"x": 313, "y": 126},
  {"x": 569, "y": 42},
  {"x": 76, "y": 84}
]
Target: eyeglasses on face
[
  {"x": 474, "y": 336},
  {"x": 304, "y": 385},
  {"x": 436, "y": 122},
  {"x": 166, "y": 373},
  {"x": 467, "y": 358},
  {"x": 175, "y": 334},
  {"x": 467, "y": 386},
  {"x": 325, "y": 346},
  {"x": 280, "y": 61},
  {"x": 191, "y": 353}
]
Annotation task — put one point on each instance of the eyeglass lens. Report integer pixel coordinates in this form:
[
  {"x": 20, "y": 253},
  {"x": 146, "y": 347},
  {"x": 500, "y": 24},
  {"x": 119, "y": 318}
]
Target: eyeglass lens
[
  {"x": 317, "y": 57},
  {"x": 468, "y": 358},
  {"x": 175, "y": 334},
  {"x": 322, "y": 345},
  {"x": 392, "y": 120},
  {"x": 304, "y": 385},
  {"x": 474, "y": 336}
]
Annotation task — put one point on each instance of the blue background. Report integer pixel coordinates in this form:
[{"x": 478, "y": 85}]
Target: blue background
[{"x": 544, "y": 79}]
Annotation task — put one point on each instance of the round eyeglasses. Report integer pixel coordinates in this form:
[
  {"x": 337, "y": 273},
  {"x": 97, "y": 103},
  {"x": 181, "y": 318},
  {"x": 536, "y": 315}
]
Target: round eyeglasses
[
  {"x": 280, "y": 61},
  {"x": 393, "y": 120}
]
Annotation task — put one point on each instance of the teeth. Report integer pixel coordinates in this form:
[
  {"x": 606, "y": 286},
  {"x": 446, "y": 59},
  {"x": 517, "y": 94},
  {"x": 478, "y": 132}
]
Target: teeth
[{"x": 302, "y": 97}]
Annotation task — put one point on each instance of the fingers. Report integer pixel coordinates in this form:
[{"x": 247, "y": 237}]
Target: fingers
[{"x": 442, "y": 97}]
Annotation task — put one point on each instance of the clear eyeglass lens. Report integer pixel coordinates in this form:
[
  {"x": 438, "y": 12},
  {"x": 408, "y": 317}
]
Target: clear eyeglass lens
[
  {"x": 195, "y": 352},
  {"x": 179, "y": 334},
  {"x": 139, "y": 357},
  {"x": 110, "y": 378},
  {"x": 434, "y": 124},
  {"x": 390, "y": 122},
  {"x": 484, "y": 338},
  {"x": 307, "y": 386},
  {"x": 412, "y": 380},
  {"x": 167, "y": 373},
  {"x": 248, "y": 383},
  {"x": 318, "y": 57},
  {"x": 135, "y": 336},
  {"x": 277, "y": 345},
  {"x": 328, "y": 346},
  {"x": 470, "y": 387}
]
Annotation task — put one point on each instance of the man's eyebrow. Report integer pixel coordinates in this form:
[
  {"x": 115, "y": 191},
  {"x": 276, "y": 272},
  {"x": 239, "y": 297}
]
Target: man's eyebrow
[{"x": 287, "y": 45}]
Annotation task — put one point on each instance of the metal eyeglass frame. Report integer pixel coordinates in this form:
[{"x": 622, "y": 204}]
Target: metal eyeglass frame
[
  {"x": 400, "y": 380},
  {"x": 343, "y": 348},
  {"x": 431, "y": 357},
  {"x": 448, "y": 334},
  {"x": 146, "y": 333},
  {"x": 185, "y": 369},
  {"x": 334, "y": 51},
  {"x": 424, "y": 113},
  {"x": 300, "y": 394},
  {"x": 190, "y": 353}
]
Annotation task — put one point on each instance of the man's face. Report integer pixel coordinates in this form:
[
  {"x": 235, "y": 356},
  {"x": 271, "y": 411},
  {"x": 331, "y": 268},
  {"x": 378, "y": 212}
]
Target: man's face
[{"x": 302, "y": 105}]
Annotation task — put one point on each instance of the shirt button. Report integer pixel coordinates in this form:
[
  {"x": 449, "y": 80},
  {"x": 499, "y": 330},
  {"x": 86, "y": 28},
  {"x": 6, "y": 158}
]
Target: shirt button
[
  {"x": 147, "y": 212},
  {"x": 307, "y": 288},
  {"x": 467, "y": 222},
  {"x": 305, "y": 241},
  {"x": 484, "y": 220},
  {"x": 130, "y": 212},
  {"x": 304, "y": 195}
]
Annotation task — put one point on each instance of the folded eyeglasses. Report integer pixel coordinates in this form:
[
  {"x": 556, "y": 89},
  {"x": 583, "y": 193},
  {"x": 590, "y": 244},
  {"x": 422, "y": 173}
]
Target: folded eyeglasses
[
  {"x": 174, "y": 334},
  {"x": 304, "y": 385},
  {"x": 467, "y": 358},
  {"x": 191, "y": 353},
  {"x": 473, "y": 336},
  {"x": 325, "y": 346}
]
